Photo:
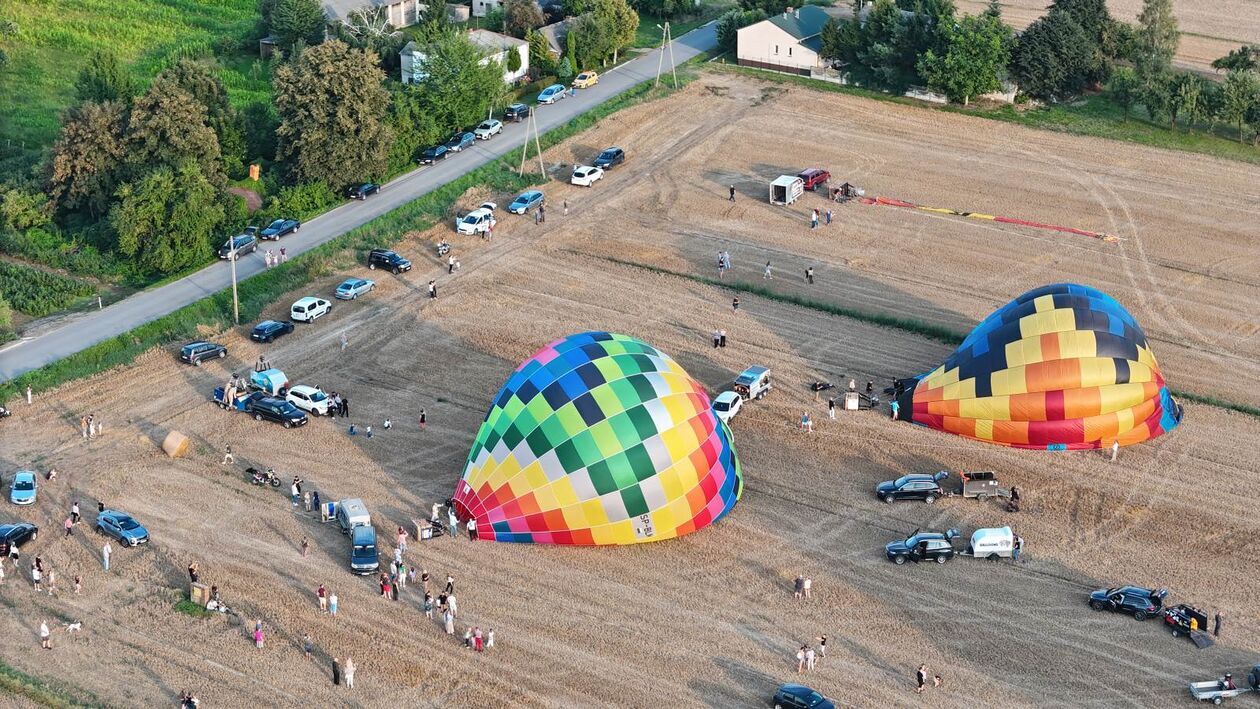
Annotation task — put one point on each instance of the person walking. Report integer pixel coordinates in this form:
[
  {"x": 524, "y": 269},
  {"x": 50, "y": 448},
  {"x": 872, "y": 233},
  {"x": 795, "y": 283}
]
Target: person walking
[
  {"x": 894, "y": 407},
  {"x": 809, "y": 275},
  {"x": 69, "y": 525},
  {"x": 332, "y": 604},
  {"x": 106, "y": 551},
  {"x": 424, "y": 423},
  {"x": 345, "y": 342},
  {"x": 322, "y": 594},
  {"x": 810, "y": 658},
  {"x": 448, "y": 620},
  {"x": 284, "y": 254},
  {"x": 798, "y": 587},
  {"x": 828, "y": 216},
  {"x": 800, "y": 659},
  {"x": 37, "y": 577},
  {"x": 809, "y": 583},
  {"x": 350, "y": 669},
  {"x": 1115, "y": 450},
  {"x": 452, "y": 522},
  {"x": 428, "y": 606},
  {"x": 45, "y": 637},
  {"x": 767, "y": 275},
  {"x": 920, "y": 678},
  {"x": 732, "y": 197},
  {"x": 450, "y": 584},
  {"x": 472, "y": 529},
  {"x": 432, "y": 290},
  {"x": 74, "y": 512},
  {"x": 831, "y": 408},
  {"x": 822, "y": 647},
  {"x": 1216, "y": 625},
  {"x": 807, "y": 424},
  {"x": 813, "y": 220},
  {"x": 717, "y": 338},
  {"x": 83, "y": 427},
  {"x": 735, "y": 304},
  {"x": 566, "y": 207},
  {"x": 259, "y": 637},
  {"x": 542, "y": 213},
  {"x": 722, "y": 338},
  {"x": 227, "y": 455},
  {"x": 307, "y": 645},
  {"x": 336, "y": 671}
]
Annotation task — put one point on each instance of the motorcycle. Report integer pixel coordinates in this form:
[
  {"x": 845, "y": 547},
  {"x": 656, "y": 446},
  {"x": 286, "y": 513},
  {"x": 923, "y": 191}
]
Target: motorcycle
[
  {"x": 443, "y": 248},
  {"x": 265, "y": 477},
  {"x": 5, "y": 413}
]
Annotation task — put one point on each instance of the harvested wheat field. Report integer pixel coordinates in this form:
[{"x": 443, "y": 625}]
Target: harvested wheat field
[{"x": 709, "y": 619}]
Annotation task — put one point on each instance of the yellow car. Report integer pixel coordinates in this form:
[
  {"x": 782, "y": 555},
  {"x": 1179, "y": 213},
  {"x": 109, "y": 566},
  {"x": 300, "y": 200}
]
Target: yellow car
[{"x": 585, "y": 80}]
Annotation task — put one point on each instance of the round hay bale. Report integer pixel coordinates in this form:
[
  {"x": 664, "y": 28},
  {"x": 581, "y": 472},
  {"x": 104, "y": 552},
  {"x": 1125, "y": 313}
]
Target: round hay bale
[{"x": 175, "y": 444}]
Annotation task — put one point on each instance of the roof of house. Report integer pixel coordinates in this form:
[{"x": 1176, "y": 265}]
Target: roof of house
[
  {"x": 493, "y": 42},
  {"x": 341, "y": 9},
  {"x": 813, "y": 43},
  {"x": 802, "y": 23},
  {"x": 555, "y": 33}
]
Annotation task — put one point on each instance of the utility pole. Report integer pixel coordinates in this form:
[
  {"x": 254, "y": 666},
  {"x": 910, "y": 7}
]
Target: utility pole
[
  {"x": 532, "y": 125},
  {"x": 667, "y": 43},
  {"x": 236, "y": 303}
]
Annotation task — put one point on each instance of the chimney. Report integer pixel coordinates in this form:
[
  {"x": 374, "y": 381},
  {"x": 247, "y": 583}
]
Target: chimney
[{"x": 787, "y": 11}]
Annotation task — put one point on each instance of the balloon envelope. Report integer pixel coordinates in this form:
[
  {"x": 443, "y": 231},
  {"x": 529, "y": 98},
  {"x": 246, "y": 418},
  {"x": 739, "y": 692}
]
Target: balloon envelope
[
  {"x": 1061, "y": 367},
  {"x": 598, "y": 439}
]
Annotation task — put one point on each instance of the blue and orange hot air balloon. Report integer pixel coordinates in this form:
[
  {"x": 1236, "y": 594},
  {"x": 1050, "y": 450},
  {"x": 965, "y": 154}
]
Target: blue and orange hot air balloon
[{"x": 1061, "y": 367}]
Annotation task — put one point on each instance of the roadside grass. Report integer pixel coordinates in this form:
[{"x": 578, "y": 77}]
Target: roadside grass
[
  {"x": 19, "y": 684},
  {"x": 258, "y": 292},
  {"x": 1094, "y": 116},
  {"x": 923, "y": 328},
  {"x": 649, "y": 35}
]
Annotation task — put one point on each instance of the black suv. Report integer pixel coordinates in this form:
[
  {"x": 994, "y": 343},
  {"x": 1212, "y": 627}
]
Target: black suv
[
  {"x": 194, "y": 352},
  {"x": 1141, "y": 603},
  {"x": 610, "y": 157},
  {"x": 923, "y": 546},
  {"x": 268, "y": 330},
  {"x": 15, "y": 535},
  {"x": 798, "y": 696},
  {"x": 516, "y": 112},
  {"x": 916, "y": 486},
  {"x": 431, "y": 155},
  {"x": 245, "y": 243},
  {"x": 362, "y": 191},
  {"x": 273, "y": 409},
  {"x": 279, "y": 228},
  {"x": 388, "y": 260}
]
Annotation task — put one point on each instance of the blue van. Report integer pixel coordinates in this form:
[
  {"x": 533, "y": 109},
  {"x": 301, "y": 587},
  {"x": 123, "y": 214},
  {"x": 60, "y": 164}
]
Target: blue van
[
  {"x": 552, "y": 93},
  {"x": 363, "y": 556}
]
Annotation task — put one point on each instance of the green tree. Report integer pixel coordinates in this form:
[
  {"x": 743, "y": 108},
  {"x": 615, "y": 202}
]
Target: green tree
[
  {"x": 976, "y": 51},
  {"x": 1157, "y": 90},
  {"x": 86, "y": 161},
  {"x": 540, "y": 60},
  {"x": 458, "y": 89},
  {"x": 202, "y": 82},
  {"x": 413, "y": 126},
  {"x": 1053, "y": 57},
  {"x": 259, "y": 123},
  {"x": 21, "y": 210},
  {"x": 332, "y": 108},
  {"x": 168, "y": 126},
  {"x": 1123, "y": 88},
  {"x": 514, "y": 60},
  {"x": 521, "y": 16},
  {"x": 1096, "y": 23},
  {"x": 732, "y": 21},
  {"x": 924, "y": 29},
  {"x": 565, "y": 70},
  {"x": 103, "y": 79},
  {"x": 1245, "y": 58},
  {"x": 1185, "y": 100},
  {"x": 601, "y": 32},
  {"x": 298, "y": 22},
  {"x": 1240, "y": 97},
  {"x": 1157, "y": 36},
  {"x": 879, "y": 54},
  {"x": 843, "y": 43},
  {"x": 166, "y": 221}
]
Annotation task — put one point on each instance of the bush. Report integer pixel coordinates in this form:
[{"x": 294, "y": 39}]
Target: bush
[
  {"x": 38, "y": 293},
  {"x": 301, "y": 201},
  {"x": 48, "y": 247}
]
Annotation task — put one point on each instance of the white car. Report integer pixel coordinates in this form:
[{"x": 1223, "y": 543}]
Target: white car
[
  {"x": 585, "y": 175},
  {"x": 310, "y": 399},
  {"x": 309, "y": 308},
  {"x": 726, "y": 405},
  {"x": 478, "y": 221},
  {"x": 487, "y": 129}
]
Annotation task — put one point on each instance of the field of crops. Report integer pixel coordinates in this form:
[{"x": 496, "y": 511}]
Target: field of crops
[
  {"x": 38, "y": 293},
  {"x": 56, "y": 37}
]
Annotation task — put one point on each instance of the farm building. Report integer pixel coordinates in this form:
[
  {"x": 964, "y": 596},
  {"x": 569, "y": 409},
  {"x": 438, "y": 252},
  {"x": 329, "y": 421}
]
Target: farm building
[
  {"x": 399, "y": 13},
  {"x": 789, "y": 41},
  {"x": 495, "y": 46}
]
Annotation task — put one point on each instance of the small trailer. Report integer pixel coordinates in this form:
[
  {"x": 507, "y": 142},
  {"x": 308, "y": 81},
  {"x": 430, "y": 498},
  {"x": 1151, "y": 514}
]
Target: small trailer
[
  {"x": 786, "y": 189},
  {"x": 981, "y": 485},
  {"x": 992, "y": 543},
  {"x": 1217, "y": 690},
  {"x": 753, "y": 383},
  {"x": 272, "y": 381},
  {"x": 233, "y": 398}
]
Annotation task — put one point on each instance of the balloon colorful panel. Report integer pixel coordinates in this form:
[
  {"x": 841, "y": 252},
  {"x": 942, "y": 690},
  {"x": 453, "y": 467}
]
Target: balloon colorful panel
[
  {"x": 1062, "y": 367},
  {"x": 598, "y": 439}
]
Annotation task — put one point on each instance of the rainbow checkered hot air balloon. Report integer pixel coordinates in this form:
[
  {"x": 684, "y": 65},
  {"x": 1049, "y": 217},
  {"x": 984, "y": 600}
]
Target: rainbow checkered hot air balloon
[
  {"x": 1062, "y": 367},
  {"x": 598, "y": 439}
]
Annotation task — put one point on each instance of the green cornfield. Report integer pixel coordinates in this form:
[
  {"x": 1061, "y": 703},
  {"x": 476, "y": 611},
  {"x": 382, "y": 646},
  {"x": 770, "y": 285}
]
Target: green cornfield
[{"x": 38, "y": 293}]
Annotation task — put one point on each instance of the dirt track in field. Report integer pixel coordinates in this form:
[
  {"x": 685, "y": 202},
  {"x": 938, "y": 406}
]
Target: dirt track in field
[
  {"x": 1208, "y": 30},
  {"x": 708, "y": 619}
]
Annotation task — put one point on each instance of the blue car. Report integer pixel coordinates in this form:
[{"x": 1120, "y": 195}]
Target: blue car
[
  {"x": 459, "y": 141},
  {"x": 22, "y": 490},
  {"x": 352, "y": 288},
  {"x": 552, "y": 93},
  {"x": 527, "y": 201},
  {"x": 121, "y": 526}
]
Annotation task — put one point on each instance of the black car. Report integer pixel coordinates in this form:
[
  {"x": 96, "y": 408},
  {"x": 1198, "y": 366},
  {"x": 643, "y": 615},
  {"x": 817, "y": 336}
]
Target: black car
[
  {"x": 923, "y": 546},
  {"x": 15, "y": 535},
  {"x": 916, "y": 486},
  {"x": 195, "y": 352},
  {"x": 798, "y": 696},
  {"x": 362, "y": 191},
  {"x": 610, "y": 157},
  {"x": 273, "y": 409},
  {"x": 432, "y": 155},
  {"x": 246, "y": 243},
  {"x": 516, "y": 112},
  {"x": 280, "y": 227},
  {"x": 268, "y": 330},
  {"x": 1141, "y": 603},
  {"x": 388, "y": 260}
]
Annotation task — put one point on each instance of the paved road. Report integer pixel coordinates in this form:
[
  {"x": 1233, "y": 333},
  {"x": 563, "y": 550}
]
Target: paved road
[{"x": 83, "y": 331}]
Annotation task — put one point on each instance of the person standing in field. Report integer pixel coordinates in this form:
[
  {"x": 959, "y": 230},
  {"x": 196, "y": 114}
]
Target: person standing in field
[
  {"x": 336, "y": 671},
  {"x": 332, "y": 604},
  {"x": 350, "y": 669},
  {"x": 807, "y": 585},
  {"x": 432, "y": 290},
  {"x": 106, "y": 551},
  {"x": 45, "y": 637},
  {"x": 735, "y": 304},
  {"x": 810, "y": 658},
  {"x": 321, "y": 593},
  {"x": 798, "y": 588},
  {"x": 227, "y": 456},
  {"x": 767, "y": 274},
  {"x": 831, "y": 408},
  {"x": 800, "y": 659},
  {"x": 424, "y": 423},
  {"x": 732, "y": 197}
]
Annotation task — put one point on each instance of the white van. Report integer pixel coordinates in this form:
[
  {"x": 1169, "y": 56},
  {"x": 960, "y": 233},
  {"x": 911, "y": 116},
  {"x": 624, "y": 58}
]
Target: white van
[
  {"x": 352, "y": 513},
  {"x": 309, "y": 308},
  {"x": 478, "y": 221}
]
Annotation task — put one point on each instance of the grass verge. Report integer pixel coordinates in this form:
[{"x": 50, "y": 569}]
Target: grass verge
[
  {"x": 1093, "y": 116},
  {"x": 19, "y": 684},
  {"x": 215, "y": 311},
  {"x": 648, "y": 35},
  {"x": 929, "y": 330}
]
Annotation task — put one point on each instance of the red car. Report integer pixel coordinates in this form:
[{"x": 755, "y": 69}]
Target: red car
[{"x": 814, "y": 177}]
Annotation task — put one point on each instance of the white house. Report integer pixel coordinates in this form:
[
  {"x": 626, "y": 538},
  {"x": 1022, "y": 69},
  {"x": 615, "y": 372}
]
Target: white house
[
  {"x": 399, "y": 13},
  {"x": 480, "y": 8},
  {"x": 494, "y": 45},
  {"x": 789, "y": 41}
]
